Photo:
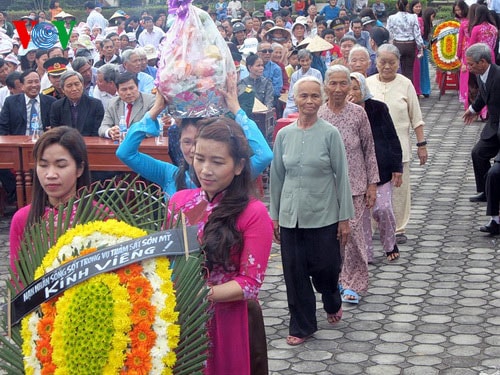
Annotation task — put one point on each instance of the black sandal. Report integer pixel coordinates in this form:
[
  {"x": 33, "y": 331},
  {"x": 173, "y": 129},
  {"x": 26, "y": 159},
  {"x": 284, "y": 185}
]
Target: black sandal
[{"x": 393, "y": 255}]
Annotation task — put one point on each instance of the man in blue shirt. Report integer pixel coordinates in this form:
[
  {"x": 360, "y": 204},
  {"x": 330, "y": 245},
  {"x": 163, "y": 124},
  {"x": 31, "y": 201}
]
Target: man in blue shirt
[
  {"x": 272, "y": 71},
  {"x": 362, "y": 37},
  {"x": 330, "y": 11}
]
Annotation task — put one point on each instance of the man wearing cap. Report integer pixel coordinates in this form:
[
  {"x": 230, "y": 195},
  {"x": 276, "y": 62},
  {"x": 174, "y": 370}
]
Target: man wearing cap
[
  {"x": 55, "y": 67},
  {"x": 152, "y": 34},
  {"x": 330, "y": 11},
  {"x": 4, "y": 71},
  {"x": 239, "y": 34},
  {"x": 94, "y": 17},
  {"x": 132, "y": 63},
  {"x": 108, "y": 54},
  {"x": 76, "y": 109},
  {"x": 105, "y": 88},
  {"x": 338, "y": 27},
  {"x": 362, "y": 37},
  {"x": 147, "y": 54},
  {"x": 12, "y": 62},
  {"x": 130, "y": 103},
  {"x": 271, "y": 70}
]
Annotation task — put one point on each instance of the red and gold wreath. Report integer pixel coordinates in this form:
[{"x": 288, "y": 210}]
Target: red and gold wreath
[{"x": 445, "y": 44}]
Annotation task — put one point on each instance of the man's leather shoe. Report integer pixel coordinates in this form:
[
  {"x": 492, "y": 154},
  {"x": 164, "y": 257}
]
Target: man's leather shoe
[
  {"x": 481, "y": 197},
  {"x": 492, "y": 228}
]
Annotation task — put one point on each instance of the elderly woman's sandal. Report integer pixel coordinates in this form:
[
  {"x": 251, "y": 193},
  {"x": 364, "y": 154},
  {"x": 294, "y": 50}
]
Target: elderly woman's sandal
[
  {"x": 350, "y": 296},
  {"x": 294, "y": 341},
  {"x": 393, "y": 255}
]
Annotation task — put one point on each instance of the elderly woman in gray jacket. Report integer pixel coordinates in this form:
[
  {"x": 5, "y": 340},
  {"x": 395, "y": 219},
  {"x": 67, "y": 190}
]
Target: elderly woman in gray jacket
[{"x": 311, "y": 204}]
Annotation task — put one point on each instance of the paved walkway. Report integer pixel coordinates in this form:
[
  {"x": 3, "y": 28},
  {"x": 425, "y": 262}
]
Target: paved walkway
[{"x": 436, "y": 310}]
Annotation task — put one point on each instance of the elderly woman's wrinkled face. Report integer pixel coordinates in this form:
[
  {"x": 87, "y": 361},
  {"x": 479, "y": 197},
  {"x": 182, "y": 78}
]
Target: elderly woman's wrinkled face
[
  {"x": 308, "y": 98},
  {"x": 305, "y": 63},
  {"x": 277, "y": 55},
  {"x": 359, "y": 62},
  {"x": 387, "y": 66},
  {"x": 346, "y": 47},
  {"x": 355, "y": 92},
  {"x": 337, "y": 87}
]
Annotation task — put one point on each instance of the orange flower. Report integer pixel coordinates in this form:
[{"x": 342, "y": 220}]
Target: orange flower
[
  {"x": 142, "y": 310},
  {"x": 90, "y": 250},
  {"x": 142, "y": 336},
  {"x": 132, "y": 270},
  {"x": 48, "y": 369},
  {"x": 44, "y": 351},
  {"x": 139, "y": 288},
  {"x": 46, "y": 325},
  {"x": 138, "y": 361}
]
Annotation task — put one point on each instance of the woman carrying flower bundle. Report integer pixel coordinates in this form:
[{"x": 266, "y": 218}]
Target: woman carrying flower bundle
[
  {"x": 236, "y": 233},
  {"x": 61, "y": 168},
  {"x": 170, "y": 177}
]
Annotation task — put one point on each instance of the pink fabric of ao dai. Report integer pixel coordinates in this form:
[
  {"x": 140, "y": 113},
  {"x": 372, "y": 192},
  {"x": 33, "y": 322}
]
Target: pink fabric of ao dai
[{"x": 228, "y": 327}]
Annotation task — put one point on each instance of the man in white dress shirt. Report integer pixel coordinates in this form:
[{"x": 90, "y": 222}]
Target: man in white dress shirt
[{"x": 151, "y": 34}]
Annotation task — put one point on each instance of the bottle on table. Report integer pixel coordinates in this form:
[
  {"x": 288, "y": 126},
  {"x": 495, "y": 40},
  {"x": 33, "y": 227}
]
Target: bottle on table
[
  {"x": 35, "y": 128},
  {"x": 123, "y": 128}
]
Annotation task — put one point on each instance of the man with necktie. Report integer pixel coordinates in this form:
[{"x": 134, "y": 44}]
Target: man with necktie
[
  {"x": 16, "y": 115},
  {"x": 130, "y": 103},
  {"x": 488, "y": 76}
]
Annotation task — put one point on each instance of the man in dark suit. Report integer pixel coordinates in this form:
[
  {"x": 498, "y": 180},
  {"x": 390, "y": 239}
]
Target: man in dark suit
[
  {"x": 488, "y": 76},
  {"x": 493, "y": 195},
  {"x": 77, "y": 109},
  {"x": 14, "y": 119}
]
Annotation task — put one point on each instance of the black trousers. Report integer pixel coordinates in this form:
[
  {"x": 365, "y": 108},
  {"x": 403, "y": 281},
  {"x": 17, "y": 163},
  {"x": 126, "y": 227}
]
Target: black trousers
[
  {"x": 493, "y": 190},
  {"x": 408, "y": 51},
  {"x": 8, "y": 180},
  {"x": 484, "y": 150},
  {"x": 310, "y": 255}
]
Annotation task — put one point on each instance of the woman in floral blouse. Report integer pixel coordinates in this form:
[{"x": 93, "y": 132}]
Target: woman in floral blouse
[{"x": 405, "y": 32}]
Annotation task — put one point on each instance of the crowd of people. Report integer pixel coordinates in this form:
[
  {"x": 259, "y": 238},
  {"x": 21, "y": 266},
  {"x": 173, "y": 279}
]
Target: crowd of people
[{"x": 341, "y": 167}]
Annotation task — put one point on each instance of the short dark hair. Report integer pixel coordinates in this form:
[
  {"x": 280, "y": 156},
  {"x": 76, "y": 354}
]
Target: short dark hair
[
  {"x": 2, "y": 62},
  {"x": 11, "y": 79},
  {"x": 25, "y": 73},
  {"x": 89, "y": 5},
  {"x": 125, "y": 77},
  {"x": 53, "y": 49}
]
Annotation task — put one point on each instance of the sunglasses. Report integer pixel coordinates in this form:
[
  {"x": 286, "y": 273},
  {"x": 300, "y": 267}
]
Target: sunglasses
[{"x": 266, "y": 51}]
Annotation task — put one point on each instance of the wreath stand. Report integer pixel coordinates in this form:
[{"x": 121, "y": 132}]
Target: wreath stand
[{"x": 447, "y": 80}]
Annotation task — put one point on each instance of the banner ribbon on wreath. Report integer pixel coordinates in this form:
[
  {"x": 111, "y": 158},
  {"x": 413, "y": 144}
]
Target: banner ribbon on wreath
[{"x": 165, "y": 243}]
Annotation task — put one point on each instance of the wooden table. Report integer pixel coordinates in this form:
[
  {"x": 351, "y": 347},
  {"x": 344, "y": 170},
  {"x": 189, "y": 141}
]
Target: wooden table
[
  {"x": 16, "y": 152},
  {"x": 10, "y": 158}
]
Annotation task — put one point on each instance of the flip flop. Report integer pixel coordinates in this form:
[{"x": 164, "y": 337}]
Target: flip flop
[
  {"x": 335, "y": 317},
  {"x": 294, "y": 341},
  {"x": 352, "y": 293}
]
